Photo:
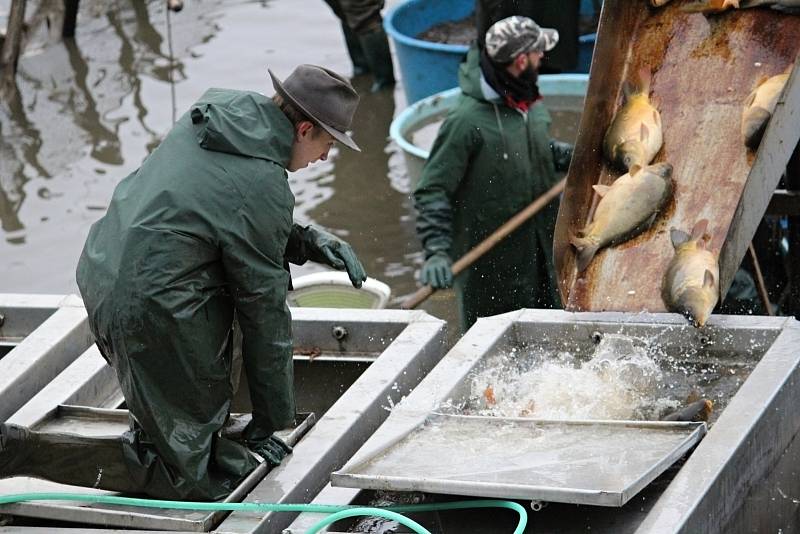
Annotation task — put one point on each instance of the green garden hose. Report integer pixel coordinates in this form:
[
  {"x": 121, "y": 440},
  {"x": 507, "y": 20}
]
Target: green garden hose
[{"x": 337, "y": 512}]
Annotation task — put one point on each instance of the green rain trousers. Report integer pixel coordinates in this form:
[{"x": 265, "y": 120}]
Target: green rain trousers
[
  {"x": 488, "y": 163},
  {"x": 201, "y": 231}
]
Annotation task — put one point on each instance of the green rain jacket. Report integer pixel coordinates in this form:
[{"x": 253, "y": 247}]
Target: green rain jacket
[
  {"x": 488, "y": 163},
  {"x": 202, "y": 230}
]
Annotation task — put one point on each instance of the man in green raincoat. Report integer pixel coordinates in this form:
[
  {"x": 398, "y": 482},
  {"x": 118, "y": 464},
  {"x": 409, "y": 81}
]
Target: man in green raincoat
[
  {"x": 200, "y": 233},
  {"x": 492, "y": 157}
]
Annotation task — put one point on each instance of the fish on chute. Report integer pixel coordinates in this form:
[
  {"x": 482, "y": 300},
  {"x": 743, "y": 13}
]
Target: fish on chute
[
  {"x": 634, "y": 136},
  {"x": 718, "y": 6},
  {"x": 759, "y": 107},
  {"x": 691, "y": 282},
  {"x": 699, "y": 410},
  {"x": 626, "y": 208}
]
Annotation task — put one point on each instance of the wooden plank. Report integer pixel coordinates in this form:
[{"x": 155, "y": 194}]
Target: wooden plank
[{"x": 703, "y": 69}]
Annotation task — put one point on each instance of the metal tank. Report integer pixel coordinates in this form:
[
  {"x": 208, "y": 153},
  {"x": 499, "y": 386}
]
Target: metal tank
[
  {"x": 739, "y": 477},
  {"x": 351, "y": 366}
]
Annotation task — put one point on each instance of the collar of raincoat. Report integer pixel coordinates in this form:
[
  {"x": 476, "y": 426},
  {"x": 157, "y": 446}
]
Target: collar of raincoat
[{"x": 243, "y": 123}]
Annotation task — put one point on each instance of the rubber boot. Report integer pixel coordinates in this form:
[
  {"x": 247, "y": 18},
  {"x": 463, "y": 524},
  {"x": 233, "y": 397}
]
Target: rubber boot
[
  {"x": 376, "y": 48},
  {"x": 92, "y": 462},
  {"x": 357, "y": 56}
]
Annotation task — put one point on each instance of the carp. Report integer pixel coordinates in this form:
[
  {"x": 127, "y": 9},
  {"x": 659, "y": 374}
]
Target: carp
[
  {"x": 691, "y": 282},
  {"x": 626, "y": 208},
  {"x": 759, "y": 107},
  {"x": 710, "y": 6},
  {"x": 699, "y": 410},
  {"x": 634, "y": 136},
  {"x": 718, "y": 6}
]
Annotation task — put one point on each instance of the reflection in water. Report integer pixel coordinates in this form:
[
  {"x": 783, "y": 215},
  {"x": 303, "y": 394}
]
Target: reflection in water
[
  {"x": 80, "y": 102},
  {"x": 91, "y": 109},
  {"x": 19, "y": 146}
]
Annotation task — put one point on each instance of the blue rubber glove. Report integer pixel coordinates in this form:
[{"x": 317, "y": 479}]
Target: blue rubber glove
[
  {"x": 328, "y": 249},
  {"x": 437, "y": 271}
]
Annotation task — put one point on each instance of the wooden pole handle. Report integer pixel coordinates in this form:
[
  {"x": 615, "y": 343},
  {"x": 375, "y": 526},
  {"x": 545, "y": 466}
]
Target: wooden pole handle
[{"x": 422, "y": 294}]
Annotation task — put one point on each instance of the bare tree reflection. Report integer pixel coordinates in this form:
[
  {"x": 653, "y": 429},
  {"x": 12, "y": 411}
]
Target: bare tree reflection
[{"x": 20, "y": 143}]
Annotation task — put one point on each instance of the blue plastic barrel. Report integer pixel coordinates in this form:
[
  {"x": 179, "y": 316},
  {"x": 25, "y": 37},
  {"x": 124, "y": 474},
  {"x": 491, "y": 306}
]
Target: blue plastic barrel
[{"x": 426, "y": 68}]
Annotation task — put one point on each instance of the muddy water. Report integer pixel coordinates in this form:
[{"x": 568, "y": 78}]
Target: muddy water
[{"x": 90, "y": 110}]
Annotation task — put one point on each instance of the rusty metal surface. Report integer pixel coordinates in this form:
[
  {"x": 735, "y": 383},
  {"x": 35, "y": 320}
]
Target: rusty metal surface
[{"x": 703, "y": 69}]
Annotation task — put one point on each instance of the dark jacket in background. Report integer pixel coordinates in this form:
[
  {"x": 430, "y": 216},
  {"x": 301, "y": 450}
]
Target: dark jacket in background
[{"x": 488, "y": 163}]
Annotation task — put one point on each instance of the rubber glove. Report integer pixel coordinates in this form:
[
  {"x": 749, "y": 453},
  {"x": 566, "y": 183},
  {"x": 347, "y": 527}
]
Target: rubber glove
[
  {"x": 437, "y": 271},
  {"x": 273, "y": 450},
  {"x": 329, "y": 249}
]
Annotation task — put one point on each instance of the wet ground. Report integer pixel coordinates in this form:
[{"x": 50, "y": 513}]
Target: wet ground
[{"x": 89, "y": 110}]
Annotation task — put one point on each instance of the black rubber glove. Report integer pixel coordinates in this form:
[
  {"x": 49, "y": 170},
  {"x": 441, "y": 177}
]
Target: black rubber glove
[
  {"x": 437, "y": 271},
  {"x": 324, "y": 247},
  {"x": 273, "y": 450}
]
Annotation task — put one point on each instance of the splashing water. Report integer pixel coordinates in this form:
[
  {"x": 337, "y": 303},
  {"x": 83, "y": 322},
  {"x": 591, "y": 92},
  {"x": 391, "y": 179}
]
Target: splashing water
[{"x": 618, "y": 382}]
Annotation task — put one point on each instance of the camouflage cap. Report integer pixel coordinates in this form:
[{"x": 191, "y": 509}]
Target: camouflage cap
[{"x": 508, "y": 38}]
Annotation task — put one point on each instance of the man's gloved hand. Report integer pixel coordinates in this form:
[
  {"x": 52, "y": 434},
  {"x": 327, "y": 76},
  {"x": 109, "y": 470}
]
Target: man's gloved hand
[
  {"x": 273, "y": 450},
  {"x": 437, "y": 271},
  {"x": 337, "y": 253}
]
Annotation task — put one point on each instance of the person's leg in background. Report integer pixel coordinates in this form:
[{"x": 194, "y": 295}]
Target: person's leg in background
[
  {"x": 354, "y": 50},
  {"x": 364, "y": 18}
]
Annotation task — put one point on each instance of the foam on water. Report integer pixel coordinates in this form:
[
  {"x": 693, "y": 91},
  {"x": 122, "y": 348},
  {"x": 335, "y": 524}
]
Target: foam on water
[{"x": 619, "y": 381}]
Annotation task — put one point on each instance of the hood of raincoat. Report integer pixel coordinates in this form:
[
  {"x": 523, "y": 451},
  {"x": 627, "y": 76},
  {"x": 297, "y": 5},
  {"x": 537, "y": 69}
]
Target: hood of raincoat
[
  {"x": 469, "y": 74},
  {"x": 242, "y": 123}
]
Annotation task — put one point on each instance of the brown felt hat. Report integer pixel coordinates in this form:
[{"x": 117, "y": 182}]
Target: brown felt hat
[{"x": 324, "y": 96}]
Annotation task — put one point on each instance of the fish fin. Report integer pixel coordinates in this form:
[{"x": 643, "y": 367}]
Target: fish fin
[
  {"x": 754, "y": 124},
  {"x": 657, "y": 118},
  {"x": 678, "y": 237},
  {"x": 645, "y": 77},
  {"x": 627, "y": 90},
  {"x": 651, "y": 220},
  {"x": 699, "y": 230},
  {"x": 634, "y": 169},
  {"x": 585, "y": 251},
  {"x": 644, "y": 133},
  {"x": 601, "y": 189},
  {"x": 708, "y": 279},
  {"x": 750, "y": 99}
]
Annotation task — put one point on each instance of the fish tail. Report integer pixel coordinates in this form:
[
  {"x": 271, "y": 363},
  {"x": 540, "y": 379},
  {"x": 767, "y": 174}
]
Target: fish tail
[
  {"x": 645, "y": 77},
  {"x": 754, "y": 124},
  {"x": 585, "y": 250}
]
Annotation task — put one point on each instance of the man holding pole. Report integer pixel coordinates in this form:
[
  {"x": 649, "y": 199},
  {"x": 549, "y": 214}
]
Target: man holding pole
[{"x": 494, "y": 156}]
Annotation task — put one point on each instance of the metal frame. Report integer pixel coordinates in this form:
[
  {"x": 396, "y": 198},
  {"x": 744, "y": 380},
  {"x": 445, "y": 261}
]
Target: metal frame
[
  {"x": 752, "y": 436},
  {"x": 48, "y": 333},
  {"x": 404, "y": 361},
  {"x": 402, "y": 346},
  {"x": 100, "y": 421},
  {"x": 364, "y": 474}
]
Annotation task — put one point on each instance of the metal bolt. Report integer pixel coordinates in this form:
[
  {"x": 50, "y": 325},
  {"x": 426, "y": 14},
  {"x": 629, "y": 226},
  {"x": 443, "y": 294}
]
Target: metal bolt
[
  {"x": 597, "y": 337},
  {"x": 537, "y": 505},
  {"x": 339, "y": 332}
]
